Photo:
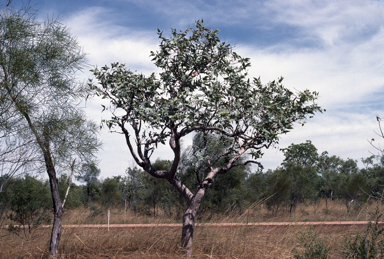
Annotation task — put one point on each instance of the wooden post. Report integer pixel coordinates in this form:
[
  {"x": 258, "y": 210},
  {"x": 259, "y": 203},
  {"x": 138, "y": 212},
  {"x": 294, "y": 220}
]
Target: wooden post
[
  {"x": 109, "y": 214},
  {"x": 125, "y": 209}
]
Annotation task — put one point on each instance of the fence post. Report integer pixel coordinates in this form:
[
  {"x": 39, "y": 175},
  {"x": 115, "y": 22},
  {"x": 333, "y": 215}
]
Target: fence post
[{"x": 125, "y": 209}]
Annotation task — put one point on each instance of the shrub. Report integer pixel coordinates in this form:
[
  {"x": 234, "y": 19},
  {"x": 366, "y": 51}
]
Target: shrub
[
  {"x": 369, "y": 244},
  {"x": 312, "y": 247}
]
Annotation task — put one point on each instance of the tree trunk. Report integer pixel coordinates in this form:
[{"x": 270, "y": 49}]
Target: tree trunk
[
  {"x": 188, "y": 228},
  {"x": 57, "y": 204},
  {"x": 57, "y": 217},
  {"x": 189, "y": 218}
]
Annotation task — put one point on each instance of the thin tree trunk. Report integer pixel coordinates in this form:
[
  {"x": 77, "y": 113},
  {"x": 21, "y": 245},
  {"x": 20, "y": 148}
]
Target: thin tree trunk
[
  {"x": 57, "y": 218},
  {"x": 57, "y": 204}
]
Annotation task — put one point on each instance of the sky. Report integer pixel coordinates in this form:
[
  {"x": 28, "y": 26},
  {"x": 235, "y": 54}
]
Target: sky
[{"x": 334, "y": 47}]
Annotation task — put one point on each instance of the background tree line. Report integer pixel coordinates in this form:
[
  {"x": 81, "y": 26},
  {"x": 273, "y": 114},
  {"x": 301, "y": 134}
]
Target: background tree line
[{"x": 305, "y": 176}]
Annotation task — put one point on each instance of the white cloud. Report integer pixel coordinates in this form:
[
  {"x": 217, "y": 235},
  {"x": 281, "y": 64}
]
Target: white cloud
[
  {"x": 330, "y": 21},
  {"x": 105, "y": 42},
  {"x": 341, "y": 74}
]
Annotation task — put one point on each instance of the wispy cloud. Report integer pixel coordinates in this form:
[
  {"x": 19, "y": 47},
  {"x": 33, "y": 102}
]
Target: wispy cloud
[{"x": 331, "y": 21}]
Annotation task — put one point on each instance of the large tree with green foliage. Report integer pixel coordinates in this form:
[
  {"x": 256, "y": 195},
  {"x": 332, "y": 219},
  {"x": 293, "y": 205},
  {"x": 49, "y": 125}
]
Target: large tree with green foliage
[
  {"x": 38, "y": 63},
  {"x": 202, "y": 86}
]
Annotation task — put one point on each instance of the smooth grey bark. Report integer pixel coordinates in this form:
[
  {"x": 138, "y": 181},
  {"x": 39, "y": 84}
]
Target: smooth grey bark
[
  {"x": 188, "y": 228},
  {"x": 57, "y": 217},
  {"x": 189, "y": 218}
]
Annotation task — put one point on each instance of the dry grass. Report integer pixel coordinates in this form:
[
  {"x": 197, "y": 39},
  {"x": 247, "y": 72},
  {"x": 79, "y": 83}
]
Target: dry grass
[{"x": 218, "y": 242}]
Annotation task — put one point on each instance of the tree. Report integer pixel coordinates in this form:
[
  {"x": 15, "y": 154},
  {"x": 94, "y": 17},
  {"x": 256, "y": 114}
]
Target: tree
[
  {"x": 132, "y": 187},
  {"x": 256, "y": 185},
  {"x": 303, "y": 154},
  {"x": 89, "y": 175},
  {"x": 29, "y": 203},
  {"x": 300, "y": 165},
  {"x": 202, "y": 87},
  {"x": 279, "y": 189},
  {"x": 291, "y": 184},
  {"x": 110, "y": 193},
  {"x": 374, "y": 175},
  {"x": 331, "y": 184},
  {"x": 38, "y": 62}
]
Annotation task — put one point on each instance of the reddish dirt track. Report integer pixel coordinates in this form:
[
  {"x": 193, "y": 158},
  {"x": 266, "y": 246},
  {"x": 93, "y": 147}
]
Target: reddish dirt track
[{"x": 262, "y": 224}]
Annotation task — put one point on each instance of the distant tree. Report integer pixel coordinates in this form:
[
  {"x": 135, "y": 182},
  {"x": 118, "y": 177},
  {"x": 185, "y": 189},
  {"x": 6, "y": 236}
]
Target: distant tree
[
  {"x": 355, "y": 189},
  {"x": 110, "y": 193},
  {"x": 374, "y": 175},
  {"x": 349, "y": 166},
  {"x": 303, "y": 154},
  {"x": 132, "y": 186},
  {"x": 330, "y": 184},
  {"x": 74, "y": 196},
  {"x": 290, "y": 185},
  {"x": 203, "y": 86},
  {"x": 278, "y": 190},
  {"x": 38, "y": 64},
  {"x": 352, "y": 182},
  {"x": 88, "y": 175},
  {"x": 29, "y": 203},
  {"x": 300, "y": 167},
  {"x": 145, "y": 194},
  {"x": 256, "y": 185},
  {"x": 157, "y": 190}
]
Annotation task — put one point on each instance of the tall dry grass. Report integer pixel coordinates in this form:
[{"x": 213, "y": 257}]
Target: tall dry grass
[{"x": 209, "y": 242}]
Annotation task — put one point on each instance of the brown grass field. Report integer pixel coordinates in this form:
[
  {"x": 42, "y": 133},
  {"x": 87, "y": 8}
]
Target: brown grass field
[{"x": 209, "y": 242}]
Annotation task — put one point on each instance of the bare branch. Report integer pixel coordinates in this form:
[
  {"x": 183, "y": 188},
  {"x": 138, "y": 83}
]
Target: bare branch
[{"x": 69, "y": 183}]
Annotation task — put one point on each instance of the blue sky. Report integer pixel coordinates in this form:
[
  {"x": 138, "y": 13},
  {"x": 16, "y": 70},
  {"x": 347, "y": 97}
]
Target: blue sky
[{"x": 334, "y": 47}]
